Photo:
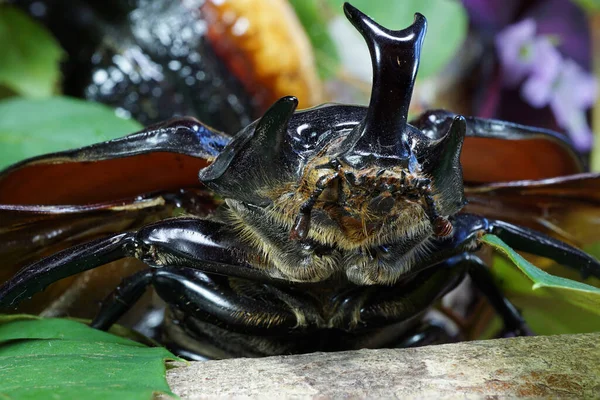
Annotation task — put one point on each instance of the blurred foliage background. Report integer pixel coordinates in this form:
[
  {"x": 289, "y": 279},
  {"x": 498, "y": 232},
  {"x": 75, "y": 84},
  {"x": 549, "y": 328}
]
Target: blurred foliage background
[
  {"x": 78, "y": 72},
  {"x": 225, "y": 62}
]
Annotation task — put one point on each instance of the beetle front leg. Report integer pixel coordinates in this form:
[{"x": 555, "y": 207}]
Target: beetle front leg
[
  {"x": 200, "y": 296},
  {"x": 379, "y": 306},
  {"x": 37, "y": 276},
  {"x": 120, "y": 300},
  {"x": 181, "y": 242},
  {"x": 514, "y": 324},
  {"x": 387, "y": 305},
  {"x": 529, "y": 241}
]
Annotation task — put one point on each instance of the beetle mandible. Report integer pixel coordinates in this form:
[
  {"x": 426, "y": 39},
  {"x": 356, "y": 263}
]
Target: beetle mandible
[{"x": 332, "y": 228}]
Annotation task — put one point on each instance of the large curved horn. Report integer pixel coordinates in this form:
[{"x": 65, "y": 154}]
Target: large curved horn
[{"x": 395, "y": 58}]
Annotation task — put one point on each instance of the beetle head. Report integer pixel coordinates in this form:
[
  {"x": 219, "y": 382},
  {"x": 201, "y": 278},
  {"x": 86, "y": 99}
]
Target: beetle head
[
  {"x": 371, "y": 178},
  {"x": 385, "y": 172}
]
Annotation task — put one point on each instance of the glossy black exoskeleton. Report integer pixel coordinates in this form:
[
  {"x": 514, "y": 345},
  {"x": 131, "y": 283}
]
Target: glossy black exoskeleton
[{"x": 333, "y": 228}]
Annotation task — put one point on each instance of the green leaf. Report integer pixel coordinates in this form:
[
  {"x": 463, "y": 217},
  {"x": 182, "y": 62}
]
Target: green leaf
[
  {"x": 30, "y": 127},
  {"x": 312, "y": 15},
  {"x": 446, "y": 26},
  {"x": 30, "y": 61},
  {"x": 63, "y": 359},
  {"x": 591, "y": 6},
  {"x": 12, "y": 328},
  {"x": 577, "y": 293},
  {"x": 545, "y": 313}
]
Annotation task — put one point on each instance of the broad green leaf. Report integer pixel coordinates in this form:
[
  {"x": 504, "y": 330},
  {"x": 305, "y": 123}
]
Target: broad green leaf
[
  {"x": 116, "y": 330},
  {"x": 124, "y": 332},
  {"x": 580, "y": 294},
  {"x": 63, "y": 359},
  {"x": 30, "y": 61},
  {"x": 22, "y": 327},
  {"x": 312, "y": 15},
  {"x": 446, "y": 26},
  {"x": 30, "y": 127}
]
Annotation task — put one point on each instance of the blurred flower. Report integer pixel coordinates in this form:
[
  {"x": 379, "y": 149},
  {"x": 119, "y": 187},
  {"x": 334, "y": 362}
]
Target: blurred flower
[
  {"x": 515, "y": 46},
  {"x": 537, "y": 90},
  {"x": 549, "y": 78},
  {"x": 574, "y": 91}
]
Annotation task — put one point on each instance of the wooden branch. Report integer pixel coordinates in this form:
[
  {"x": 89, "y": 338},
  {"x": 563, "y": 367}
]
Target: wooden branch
[{"x": 552, "y": 366}]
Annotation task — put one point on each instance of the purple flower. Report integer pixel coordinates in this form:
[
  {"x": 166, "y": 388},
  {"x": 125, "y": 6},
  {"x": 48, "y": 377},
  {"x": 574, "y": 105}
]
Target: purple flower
[
  {"x": 549, "y": 79},
  {"x": 516, "y": 50},
  {"x": 537, "y": 90},
  {"x": 574, "y": 92}
]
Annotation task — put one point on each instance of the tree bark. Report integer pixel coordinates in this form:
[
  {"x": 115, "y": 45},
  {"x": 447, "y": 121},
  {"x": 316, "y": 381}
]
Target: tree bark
[{"x": 566, "y": 366}]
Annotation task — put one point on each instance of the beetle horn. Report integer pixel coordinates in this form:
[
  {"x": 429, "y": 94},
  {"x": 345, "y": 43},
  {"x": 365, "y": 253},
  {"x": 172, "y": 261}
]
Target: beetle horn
[
  {"x": 395, "y": 58},
  {"x": 271, "y": 130},
  {"x": 445, "y": 167},
  {"x": 266, "y": 141},
  {"x": 259, "y": 146}
]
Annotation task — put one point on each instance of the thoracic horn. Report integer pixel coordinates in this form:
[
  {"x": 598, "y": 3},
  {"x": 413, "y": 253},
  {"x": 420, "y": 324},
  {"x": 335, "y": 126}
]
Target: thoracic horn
[
  {"x": 271, "y": 131},
  {"x": 395, "y": 58},
  {"x": 255, "y": 155},
  {"x": 446, "y": 169}
]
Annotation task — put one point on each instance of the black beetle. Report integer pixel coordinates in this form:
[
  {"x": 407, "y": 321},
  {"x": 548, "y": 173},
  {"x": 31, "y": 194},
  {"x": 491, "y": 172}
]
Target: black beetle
[{"x": 324, "y": 229}]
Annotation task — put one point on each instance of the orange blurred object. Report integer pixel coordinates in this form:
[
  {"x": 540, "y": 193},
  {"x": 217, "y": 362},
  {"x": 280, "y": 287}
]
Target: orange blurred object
[{"x": 265, "y": 46}]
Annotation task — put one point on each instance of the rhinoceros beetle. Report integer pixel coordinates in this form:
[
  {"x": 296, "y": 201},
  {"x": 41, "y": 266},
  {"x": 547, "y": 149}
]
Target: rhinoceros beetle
[{"x": 329, "y": 228}]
